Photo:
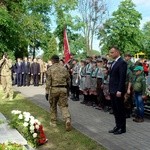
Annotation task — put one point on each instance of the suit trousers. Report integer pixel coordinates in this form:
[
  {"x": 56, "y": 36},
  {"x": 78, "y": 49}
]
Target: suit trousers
[
  {"x": 35, "y": 79},
  {"x": 26, "y": 80},
  {"x": 119, "y": 111},
  {"x": 19, "y": 79}
]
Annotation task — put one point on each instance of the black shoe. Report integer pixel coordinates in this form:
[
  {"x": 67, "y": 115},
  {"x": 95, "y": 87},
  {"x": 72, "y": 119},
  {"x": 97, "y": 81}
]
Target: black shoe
[
  {"x": 113, "y": 130},
  {"x": 120, "y": 131},
  {"x": 89, "y": 104},
  {"x": 128, "y": 116},
  {"x": 83, "y": 102},
  {"x": 72, "y": 96},
  {"x": 77, "y": 99},
  {"x": 111, "y": 111}
]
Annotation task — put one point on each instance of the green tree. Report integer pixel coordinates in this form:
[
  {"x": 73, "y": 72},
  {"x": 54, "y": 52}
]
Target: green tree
[
  {"x": 122, "y": 29},
  {"x": 10, "y": 37},
  {"x": 93, "y": 13},
  {"x": 146, "y": 39},
  {"x": 24, "y": 24},
  {"x": 37, "y": 24},
  {"x": 50, "y": 48},
  {"x": 66, "y": 18}
]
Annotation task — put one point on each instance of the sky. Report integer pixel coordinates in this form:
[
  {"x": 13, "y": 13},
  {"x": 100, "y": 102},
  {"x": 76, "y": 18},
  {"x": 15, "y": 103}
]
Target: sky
[{"x": 142, "y": 6}]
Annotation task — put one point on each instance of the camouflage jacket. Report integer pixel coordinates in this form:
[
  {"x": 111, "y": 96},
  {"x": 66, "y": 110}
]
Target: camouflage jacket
[
  {"x": 57, "y": 76},
  {"x": 5, "y": 67}
]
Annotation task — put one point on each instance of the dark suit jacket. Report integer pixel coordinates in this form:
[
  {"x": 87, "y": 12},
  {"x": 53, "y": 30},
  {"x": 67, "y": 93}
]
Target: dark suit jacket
[
  {"x": 26, "y": 67},
  {"x": 118, "y": 76},
  {"x": 18, "y": 67},
  {"x": 35, "y": 68}
]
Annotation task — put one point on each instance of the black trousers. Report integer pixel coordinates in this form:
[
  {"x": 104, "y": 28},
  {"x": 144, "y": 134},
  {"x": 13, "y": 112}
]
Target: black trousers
[
  {"x": 36, "y": 80},
  {"x": 75, "y": 91},
  {"x": 19, "y": 79},
  {"x": 26, "y": 79},
  {"x": 119, "y": 111}
]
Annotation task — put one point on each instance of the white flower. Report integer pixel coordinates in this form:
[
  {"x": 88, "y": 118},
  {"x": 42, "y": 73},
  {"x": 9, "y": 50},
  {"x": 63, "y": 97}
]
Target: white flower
[
  {"x": 26, "y": 113},
  {"x": 20, "y": 116},
  {"x": 31, "y": 117},
  {"x": 32, "y": 121},
  {"x": 27, "y": 118},
  {"x": 32, "y": 131},
  {"x": 34, "y": 135},
  {"x": 32, "y": 128},
  {"x": 37, "y": 126},
  {"x": 36, "y": 121},
  {"x": 15, "y": 112},
  {"x": 25, "y": 124}
]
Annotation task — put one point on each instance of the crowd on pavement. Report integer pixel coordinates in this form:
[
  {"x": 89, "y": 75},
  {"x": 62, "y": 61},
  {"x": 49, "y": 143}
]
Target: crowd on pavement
[{"x": 89, "y": 77}]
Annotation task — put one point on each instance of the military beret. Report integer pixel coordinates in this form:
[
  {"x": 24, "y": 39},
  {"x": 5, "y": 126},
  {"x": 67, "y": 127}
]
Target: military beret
[{"x": 55, "y": 57}]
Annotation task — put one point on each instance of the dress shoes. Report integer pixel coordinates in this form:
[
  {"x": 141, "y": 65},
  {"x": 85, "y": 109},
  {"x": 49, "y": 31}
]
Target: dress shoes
[
  {"x": 83, "y": 102},
  {"x": 113, "y": 130},
  {"x": 120, "y": 131},
  {"x": 75, "y": 99}
]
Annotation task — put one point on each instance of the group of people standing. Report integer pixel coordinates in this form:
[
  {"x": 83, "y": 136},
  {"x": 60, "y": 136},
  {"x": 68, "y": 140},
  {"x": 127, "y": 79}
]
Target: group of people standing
[
  {"x": 111, "y": 82},
  {"x": 27, "y": 71}
]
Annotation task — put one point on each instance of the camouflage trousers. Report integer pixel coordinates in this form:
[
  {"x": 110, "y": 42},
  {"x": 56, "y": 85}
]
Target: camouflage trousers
[
  {"x": 58, "y": 96},
  {"x": 6, "y": 82}
]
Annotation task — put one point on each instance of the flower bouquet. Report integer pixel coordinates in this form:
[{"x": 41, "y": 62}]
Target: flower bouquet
[{"x": 30, "y": 127}]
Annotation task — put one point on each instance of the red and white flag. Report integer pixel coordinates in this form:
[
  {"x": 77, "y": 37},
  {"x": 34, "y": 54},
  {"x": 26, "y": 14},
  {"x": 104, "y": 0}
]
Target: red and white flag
[{"x": 66, "y": 47}]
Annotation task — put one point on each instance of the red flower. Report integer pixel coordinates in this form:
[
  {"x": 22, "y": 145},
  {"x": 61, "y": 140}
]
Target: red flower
[{"x": 41, "y": 138}]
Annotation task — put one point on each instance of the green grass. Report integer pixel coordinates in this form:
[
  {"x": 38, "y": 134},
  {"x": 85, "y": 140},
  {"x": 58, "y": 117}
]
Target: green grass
[
  {"x": 11, "y": 146},
  {"x": 60, "y": 140}
]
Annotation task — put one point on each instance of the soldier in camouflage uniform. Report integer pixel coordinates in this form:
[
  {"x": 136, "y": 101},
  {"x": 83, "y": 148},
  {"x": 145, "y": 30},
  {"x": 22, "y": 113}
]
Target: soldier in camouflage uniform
[
  {"x": 6, "y": 80},
  {"x": 56, "y": 92}
]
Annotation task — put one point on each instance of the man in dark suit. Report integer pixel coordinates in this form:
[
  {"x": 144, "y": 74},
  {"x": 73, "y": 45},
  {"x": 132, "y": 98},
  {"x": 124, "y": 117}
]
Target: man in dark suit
[
  {"x": 19, "y": 71},
  {"x": 35, "y": 72},
  {"x": 26, "y": 72},
  {"x": 117, "y": 90}
]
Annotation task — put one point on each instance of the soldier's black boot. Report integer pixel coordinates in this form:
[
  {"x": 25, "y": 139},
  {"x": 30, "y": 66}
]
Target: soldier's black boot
[
  {"x": 84, "y": 100},
  {"x": 73, "y": 97}
]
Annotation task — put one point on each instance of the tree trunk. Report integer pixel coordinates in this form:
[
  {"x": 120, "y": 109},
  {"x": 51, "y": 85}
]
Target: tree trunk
[{"x": 33, "y": 52}]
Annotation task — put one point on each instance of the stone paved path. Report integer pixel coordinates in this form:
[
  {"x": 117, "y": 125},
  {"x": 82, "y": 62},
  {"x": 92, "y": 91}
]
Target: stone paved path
[{"x": 96, "y": 123}]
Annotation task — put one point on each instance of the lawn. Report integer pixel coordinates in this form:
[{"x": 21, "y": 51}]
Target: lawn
[{"x": 58, "y": 138}]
